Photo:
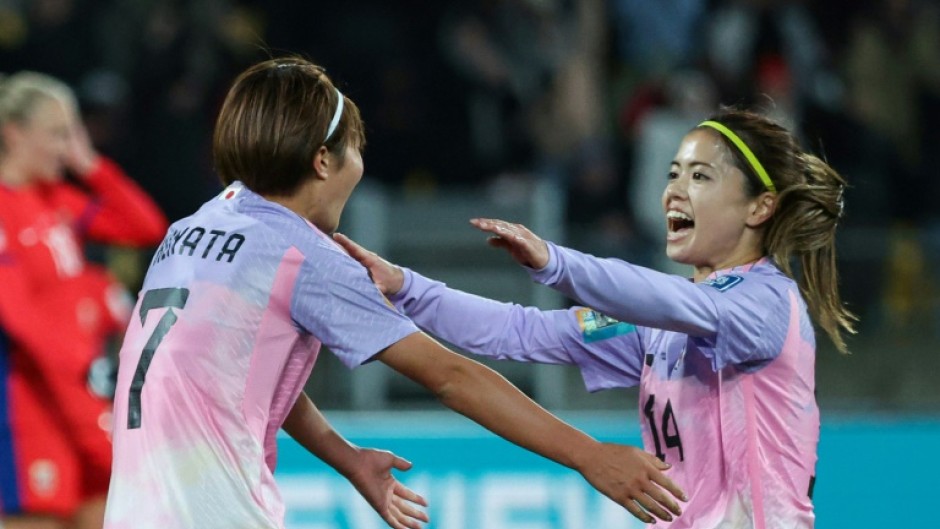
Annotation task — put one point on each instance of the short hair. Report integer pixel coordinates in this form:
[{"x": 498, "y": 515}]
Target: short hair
[{"x": 274, "y": 119}]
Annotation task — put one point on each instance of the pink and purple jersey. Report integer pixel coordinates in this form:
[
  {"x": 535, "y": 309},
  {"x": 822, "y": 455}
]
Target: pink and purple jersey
[
  {"x": 725, "y": 369},
  {"x": 228, "y": 324}
]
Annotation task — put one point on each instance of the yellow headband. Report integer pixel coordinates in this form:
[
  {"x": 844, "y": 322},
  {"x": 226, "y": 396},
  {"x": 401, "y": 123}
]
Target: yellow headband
[{"x": 755, "y": 163}]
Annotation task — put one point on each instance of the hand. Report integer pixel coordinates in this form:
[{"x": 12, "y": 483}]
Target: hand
[
  {"x": 635, "y": 480},
  {"x": 81, "y": 156},
  {"x": 395, "y": 503},
  {"x": 527, "y": 248},
  {"x": 388, "y": 277}
]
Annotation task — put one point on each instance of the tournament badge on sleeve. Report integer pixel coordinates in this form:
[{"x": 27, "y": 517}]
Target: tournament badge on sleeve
[{"x": 596, "y": 326}]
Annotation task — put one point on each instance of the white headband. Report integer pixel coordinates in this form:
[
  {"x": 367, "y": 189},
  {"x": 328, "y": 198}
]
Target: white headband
[{"x": 336, "y": 115}]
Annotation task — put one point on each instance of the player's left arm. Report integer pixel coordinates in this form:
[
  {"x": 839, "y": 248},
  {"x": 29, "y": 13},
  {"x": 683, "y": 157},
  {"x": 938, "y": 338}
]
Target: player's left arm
[
  {"x": 367, "y": 469},
  {"x": 736, "y": 319}
]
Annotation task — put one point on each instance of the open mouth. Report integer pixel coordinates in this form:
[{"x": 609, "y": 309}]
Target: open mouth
[{"x": 677, "y": 221}]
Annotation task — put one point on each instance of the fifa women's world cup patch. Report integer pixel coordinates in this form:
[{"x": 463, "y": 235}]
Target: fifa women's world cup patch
[
  {"x": 596, "y": 326},
  {"x": 724, "y": 283}
]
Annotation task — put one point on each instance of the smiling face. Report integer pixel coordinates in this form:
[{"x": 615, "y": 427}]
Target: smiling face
[{"x": 712, "y": 223}]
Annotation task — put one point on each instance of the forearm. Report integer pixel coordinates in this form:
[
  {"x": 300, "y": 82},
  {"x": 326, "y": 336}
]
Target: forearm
[
  {"x": 483, "y": 395},
  {"x": 483, "y": 326},
  {"x": 629, "y": 292},
  {"x": 486, "y": 397},
  {"x": 121, "y": 211},
  {"x": 306, "y": 425}
]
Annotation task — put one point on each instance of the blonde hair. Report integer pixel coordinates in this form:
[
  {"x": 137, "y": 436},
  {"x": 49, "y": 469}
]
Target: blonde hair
[
  {"x": 22, "y": 92},
  {"x": 809, "y": 204}
]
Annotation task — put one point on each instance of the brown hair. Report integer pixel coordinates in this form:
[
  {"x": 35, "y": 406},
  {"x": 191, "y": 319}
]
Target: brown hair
[
  {"x": 274, "y": 119},
  {"x": 808, "y": 208}
]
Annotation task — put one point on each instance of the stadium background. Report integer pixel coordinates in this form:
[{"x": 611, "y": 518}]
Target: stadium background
[{"x": 559, "y": 114}]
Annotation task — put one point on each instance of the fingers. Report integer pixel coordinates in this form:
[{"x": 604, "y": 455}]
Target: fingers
[
  {"x": 499, "y": 228},
  {"x": 401, "y": 463},
  {"x": 352, "y": 248},
  {"x": 410, "y": 495},
  {"x": 403, "y": 511},
  {"x": 637, "y": 512},
  {"x": 663, "y": 481},
  {"x": 657, "y": 497},
  {"x": 654, "y": 508}
]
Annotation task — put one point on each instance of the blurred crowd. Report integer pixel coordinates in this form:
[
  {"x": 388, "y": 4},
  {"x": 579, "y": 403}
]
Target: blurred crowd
[{"x": 591, "y": 93}]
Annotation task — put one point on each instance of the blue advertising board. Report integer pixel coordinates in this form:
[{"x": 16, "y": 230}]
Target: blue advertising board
[{"x": 473, "y": 479}]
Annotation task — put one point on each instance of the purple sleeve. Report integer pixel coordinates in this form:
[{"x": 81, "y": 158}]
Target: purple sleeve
[
  {"x": 609, "y": 354},
  {"x": 740, "y": 325},
  {"x": 336, "y": 302}
]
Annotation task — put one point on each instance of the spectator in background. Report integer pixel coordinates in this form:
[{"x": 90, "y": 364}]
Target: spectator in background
[
  {"x": 56, "y": 309},
  {"x": 892, "y": 70},
  {"x": 508, "y": 53}
]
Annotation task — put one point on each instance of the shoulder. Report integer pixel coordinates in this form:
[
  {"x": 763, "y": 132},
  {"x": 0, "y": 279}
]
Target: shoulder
[
  {"x": 764, "y": 278},
  {"x": 762, "y": 289}
]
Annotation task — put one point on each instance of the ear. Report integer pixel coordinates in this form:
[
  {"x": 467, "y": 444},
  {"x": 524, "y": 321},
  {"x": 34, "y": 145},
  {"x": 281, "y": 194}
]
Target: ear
[
  {"x": 761, "y": 209},
  {"x": 321, "y": 163}
]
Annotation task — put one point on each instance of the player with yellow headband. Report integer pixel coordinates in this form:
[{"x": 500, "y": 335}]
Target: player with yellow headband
[{"x": 724, "y": 362}]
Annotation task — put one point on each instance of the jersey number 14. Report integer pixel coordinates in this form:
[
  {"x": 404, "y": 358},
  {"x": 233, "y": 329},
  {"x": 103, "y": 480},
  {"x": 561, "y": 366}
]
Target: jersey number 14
[{"x": 668, "y": 422}]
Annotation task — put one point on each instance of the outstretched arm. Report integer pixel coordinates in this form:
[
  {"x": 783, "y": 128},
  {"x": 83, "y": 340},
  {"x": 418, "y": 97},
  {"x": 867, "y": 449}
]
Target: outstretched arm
[
  {"x": 367, "y": 469},
  {"x": 622, "y": 290},
  {"x": 627, "y": 475},
  {"x": 478, "y": 325}
]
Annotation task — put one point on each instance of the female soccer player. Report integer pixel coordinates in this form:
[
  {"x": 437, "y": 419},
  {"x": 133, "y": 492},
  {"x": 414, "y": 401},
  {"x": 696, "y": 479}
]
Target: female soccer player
[
  {"x": 56, "y": 309},
  {"x": 725, "y": 362},
  {"x": 232, "y": 313}
]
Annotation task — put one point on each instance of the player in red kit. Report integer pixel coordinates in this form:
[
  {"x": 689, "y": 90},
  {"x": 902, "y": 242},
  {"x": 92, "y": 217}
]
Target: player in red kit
[{"x": 57, "y": 310}]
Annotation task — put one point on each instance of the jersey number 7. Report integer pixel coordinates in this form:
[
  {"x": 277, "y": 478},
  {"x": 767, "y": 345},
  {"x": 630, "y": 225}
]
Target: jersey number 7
[{"x": 168, "y": 298}]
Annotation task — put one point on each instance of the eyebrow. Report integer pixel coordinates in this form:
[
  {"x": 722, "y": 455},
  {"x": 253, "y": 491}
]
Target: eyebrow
[{"x": 693, "y": 163}]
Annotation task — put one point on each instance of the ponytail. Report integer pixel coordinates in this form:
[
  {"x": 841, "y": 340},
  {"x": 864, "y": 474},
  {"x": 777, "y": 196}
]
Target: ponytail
[
  {"x": 804, "y": 227},
  {"x": 809, "y": 204}
]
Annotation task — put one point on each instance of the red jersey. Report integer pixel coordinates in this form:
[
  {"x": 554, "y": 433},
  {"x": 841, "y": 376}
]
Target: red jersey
[{"x": 56, "y": 312}]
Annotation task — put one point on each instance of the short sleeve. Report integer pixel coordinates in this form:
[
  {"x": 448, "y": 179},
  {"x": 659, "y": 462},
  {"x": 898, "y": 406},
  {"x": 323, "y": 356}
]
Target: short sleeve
[{"x": 336, "y": 302}]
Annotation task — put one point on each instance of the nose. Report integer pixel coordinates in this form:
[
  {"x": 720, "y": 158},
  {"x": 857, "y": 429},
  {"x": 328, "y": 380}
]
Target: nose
[{"x": 676, "y": 188}]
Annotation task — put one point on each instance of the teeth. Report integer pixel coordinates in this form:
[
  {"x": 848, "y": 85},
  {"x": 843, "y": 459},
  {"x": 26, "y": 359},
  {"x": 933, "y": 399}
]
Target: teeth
[{"x": 677, "y": 215}]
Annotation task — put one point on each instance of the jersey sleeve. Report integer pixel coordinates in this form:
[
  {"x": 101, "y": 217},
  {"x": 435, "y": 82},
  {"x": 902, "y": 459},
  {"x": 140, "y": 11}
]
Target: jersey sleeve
[
  {"x": 336, "y": 302},
  {"x": 116, "y": 211},
  {"x": 607, "y": 352},
  {"x": 738, "y": 324},
  {"x": 753, "y": 321}
]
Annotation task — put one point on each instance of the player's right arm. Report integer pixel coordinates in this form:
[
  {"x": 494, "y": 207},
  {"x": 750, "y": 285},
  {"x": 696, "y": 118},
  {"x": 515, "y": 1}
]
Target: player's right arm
[
  {"x": 335, "y": 301},
  {"x": 627, "y": 475}
]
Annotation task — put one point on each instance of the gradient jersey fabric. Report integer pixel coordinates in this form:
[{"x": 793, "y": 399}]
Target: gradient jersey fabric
[
  {"x": 56, "y": 313},
  {"x": 725, "y": 369},
  {"x": 228, "y": 324}
]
